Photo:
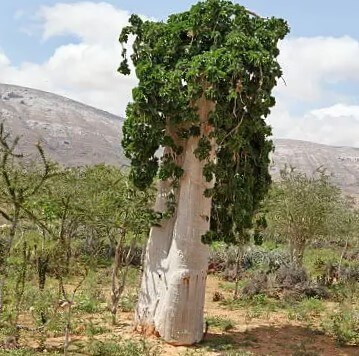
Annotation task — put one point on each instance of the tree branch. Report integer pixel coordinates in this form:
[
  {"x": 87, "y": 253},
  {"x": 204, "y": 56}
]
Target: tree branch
[
  {"x": 253, "y": 13},
  {"x": 4, "y": 215}
]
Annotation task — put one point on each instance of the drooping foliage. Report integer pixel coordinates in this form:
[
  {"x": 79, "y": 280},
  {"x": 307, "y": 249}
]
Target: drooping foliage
[{"x": 230, "y": 54}]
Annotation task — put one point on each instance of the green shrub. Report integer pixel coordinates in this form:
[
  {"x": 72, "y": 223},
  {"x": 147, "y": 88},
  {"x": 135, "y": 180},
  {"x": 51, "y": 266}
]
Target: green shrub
[
  {"x": 255, "y": 307},
  {"x": 133, "y": 276},
  {"x": 229, "y": 286},
  {"x": 122, "y": 348},
  {"x": 87, "y": 303},
  {"x": 316, "y": 260},
  {"x": 344, "y": 325},
  {"x": 223, "y": 324},
  {"x": 219, "y": 343},
  {"x": 128, "y": 302},
  {"x": 93, "y": 283},
  {"x": 306, "y": 309},
  {"x": 103, "y": 348},
  {"x": 94, "y": 329},
  {"x": 345, "y": 292}
]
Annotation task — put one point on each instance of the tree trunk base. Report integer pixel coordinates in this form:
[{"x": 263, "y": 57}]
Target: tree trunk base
[
  {"x": 146, "y": 330},
  {"x": 150, "y": 330}
]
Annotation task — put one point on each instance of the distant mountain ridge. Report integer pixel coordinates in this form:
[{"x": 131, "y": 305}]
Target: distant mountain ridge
[
  {"x": 76, "y": 134},
  {"x": 342, "y": 163},
  {"x": 72, "y": 133}
]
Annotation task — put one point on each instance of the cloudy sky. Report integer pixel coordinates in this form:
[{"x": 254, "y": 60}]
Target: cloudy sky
[{"x": 70, "y": 48}]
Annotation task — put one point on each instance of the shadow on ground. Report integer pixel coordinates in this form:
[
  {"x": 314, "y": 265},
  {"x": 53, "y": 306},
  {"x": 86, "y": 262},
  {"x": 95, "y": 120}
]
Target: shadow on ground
[{"x": 270, "y": 340}]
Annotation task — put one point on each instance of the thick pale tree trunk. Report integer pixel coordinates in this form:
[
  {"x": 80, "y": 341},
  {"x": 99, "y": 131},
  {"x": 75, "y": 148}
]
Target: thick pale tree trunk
[{"x": 171, "y": 299}]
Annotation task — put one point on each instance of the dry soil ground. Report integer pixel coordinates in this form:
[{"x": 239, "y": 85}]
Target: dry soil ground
[{"x": 271, "y": 333}]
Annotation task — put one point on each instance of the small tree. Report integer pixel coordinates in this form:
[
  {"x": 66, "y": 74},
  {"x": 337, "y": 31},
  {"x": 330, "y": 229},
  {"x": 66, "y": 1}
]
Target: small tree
[
  {"x": 298, "y": 208},
  {"x": 344, "y": 227},
  {"x": 120, "y": 215},
  {"x": 21, "y": 179},
  {"x": 205, "y": 82}
]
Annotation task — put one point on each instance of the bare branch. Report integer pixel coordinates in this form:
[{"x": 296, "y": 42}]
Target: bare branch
[
  {"x": 79, "y": 284},
  {"x": 5, "y": 215},
  {"x": 285, "y": 83},
  {"x": 253, "y": 13}
]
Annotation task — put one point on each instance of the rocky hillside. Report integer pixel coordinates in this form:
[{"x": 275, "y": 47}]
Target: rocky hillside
[
  {"x": 342, "y": 163},
  {"x": 76, "y": 134},
  {"x": 71, "y": 133}
]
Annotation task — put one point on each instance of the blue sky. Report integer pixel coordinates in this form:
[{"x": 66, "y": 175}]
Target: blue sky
[
  {"x": 70, "y": 48},
  {"x": 306, "y": 18}
]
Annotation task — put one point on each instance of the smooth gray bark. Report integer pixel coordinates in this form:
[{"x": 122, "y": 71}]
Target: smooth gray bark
[{"x": 171, "y": 299}]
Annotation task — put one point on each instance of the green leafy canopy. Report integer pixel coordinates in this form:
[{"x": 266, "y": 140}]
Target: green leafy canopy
[{"x": 234, "y": 52}]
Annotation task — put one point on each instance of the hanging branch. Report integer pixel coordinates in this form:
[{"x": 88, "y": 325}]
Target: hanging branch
[{"x": 170, "y": 82}]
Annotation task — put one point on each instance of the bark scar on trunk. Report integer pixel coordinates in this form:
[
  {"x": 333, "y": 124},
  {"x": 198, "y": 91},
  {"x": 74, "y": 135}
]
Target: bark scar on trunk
[
  {"x": 185, "y": 280},
  {"x": 146, "y": 330}
]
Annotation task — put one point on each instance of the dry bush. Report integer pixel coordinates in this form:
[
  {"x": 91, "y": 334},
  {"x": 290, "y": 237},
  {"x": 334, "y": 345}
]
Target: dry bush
[{"x": 286, "y": 282}]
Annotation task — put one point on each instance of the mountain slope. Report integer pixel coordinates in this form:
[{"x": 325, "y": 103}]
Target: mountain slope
[
  {"x": 71, "y": 133},
  {"x": 342, "y": 163},
  {"x": 76, "y": 134}
]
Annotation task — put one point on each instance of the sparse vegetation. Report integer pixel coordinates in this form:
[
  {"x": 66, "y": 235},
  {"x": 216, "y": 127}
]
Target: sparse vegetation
[
  {"x": 57, "y": 274},
  {"x": 62, "y": 222},
  {"x": 122, "y": 348},
  {"x": 223, "y": 324},
  {"x": 343, "y": 324},
  {"x": 284, "y": 256},
  {"x": 298, "y": 209}
]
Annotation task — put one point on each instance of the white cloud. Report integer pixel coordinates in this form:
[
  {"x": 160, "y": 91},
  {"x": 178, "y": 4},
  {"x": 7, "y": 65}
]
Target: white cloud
[
  {"x": 92, "y": 22},
  {"x": 335, "y": 125},
  {"x": 309, "y": 64},
  {"x": 4, "y": 61},
  {"x": 337, "y": 111},
  {"x": 313, "y": 70},
  {"x": 86, "y": 71}
]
